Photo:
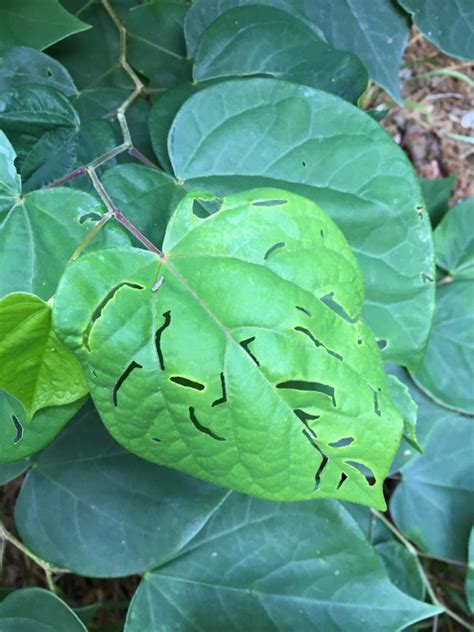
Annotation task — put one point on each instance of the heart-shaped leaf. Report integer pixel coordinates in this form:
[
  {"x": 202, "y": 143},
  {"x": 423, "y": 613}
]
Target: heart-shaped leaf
[
  {"x": 454, "y": 241},
  {"x": 35, "y": 367},
  {"x": 239, "y": 356}
]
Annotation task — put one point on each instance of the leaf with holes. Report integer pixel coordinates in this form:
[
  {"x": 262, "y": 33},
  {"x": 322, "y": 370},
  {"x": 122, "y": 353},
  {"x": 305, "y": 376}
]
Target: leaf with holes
[
  {"x": 239, "y": 135},
  {"x": 35, "y": 367},
  {"x": 239, "y": 356},
  {"x": 454, "y": 241},
  {"x": 259, "y": 40}
]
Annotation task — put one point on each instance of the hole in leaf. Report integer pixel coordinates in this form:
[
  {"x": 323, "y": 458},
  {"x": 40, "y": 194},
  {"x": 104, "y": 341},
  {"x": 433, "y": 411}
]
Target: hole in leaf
[
  {"x": 18, "y": 428},
  {"x": 359, "y": 341},
  {"x": 329, "y": 301},
  {"x": 426, "y": 278},
  {"x": 49, "y": 72},
  {"x": 303, "y": 163},
  {"x": 202, "y": 428},
  {"x": 322, "y": 233},
  {"x": 342, "y": 443},
  {"x": 269, "y": 202},
  {"x": 270, "y": 251},
  {"x": 91, "y": 215},
  {"x": 342, "y": 480},
  {"x": 158, "y": 334},
  {"x": 304, "y": 416},
  {"x": 304, "y": 310},
  {"x": 419, "y": 210},
  {"x": 318, "y": 343},
  {"x": 131, "y": 367},
  {"x": 156, "y": 439},
  {"x": 376, "y": 401},
  {"x": 183, "y": 381},
  {"x": 364, "y": 470},
  {"x": 245, "y": 345},
  {"x": 204, "y": 208},
  {"x": 100, "y": 308},
  {"x": 303, "y": 385},
  {"x": 382, "y": 344},
  {"x": 223, "y": 399}
]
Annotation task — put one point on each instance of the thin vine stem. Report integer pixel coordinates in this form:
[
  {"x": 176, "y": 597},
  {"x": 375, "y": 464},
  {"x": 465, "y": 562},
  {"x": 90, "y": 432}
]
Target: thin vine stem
[
  {"x": 48, "y": 569},
  {"x": 121, "y": 219},
  {"x": 429, "y": 588}
]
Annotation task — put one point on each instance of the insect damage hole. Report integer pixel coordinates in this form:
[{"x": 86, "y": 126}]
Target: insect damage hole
[
  {"x": 158, "y": 334},
  {"x": 342, "y": 443},
  {"x": 269, "y": 202},
  {"x": 245, "y": 345},
  {"x": 328, "y": 300},
  {"x": 201, "y": 428},
  {"x": 271, "y": 250},
  {"x": 187, "y": 383},
  {"x": 223, "y": 399},
  {"x": 18, "y": 428},
  {"x": 377, "y": 410},
  {"x": 304, "y": 310},
  {"x": 364, "y": 470},
  {"x": 305, "y": 385},
  {"x": 131, "y": 367},
  {"x": 318, "y": 343},
  {"x": 342, "y": 480}
]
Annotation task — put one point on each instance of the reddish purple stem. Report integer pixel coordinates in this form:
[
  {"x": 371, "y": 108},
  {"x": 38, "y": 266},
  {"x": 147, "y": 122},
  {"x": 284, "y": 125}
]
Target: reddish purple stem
[
  {"x": 121, "y": 219},
  {"x": 80, "y": 171},
  {"x": 136, "y": 153}
]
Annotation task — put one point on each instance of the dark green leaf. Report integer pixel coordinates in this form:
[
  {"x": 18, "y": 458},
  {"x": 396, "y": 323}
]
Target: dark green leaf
[
  {"x": 265, "y": 132},
  {"x": 259, "y": 40},
  {"x": 22, "y": 66},
  {"x": 446, "y": 374},
  {"x": 266, "y": 566},
  {"x": 433, "y": 503},
  {"x": 437, "y": 194},
  {"x": 377, "y": 34},
  {"x": 87, "y": 494},
  {"x": 454, "y": 241},
  {"x": 37, "y": 610},
  {"x": 147, "y": 196},
  {"x": 25, "y": 23},
  {"x": 296, "y": 352},
  {"x": 470, "y": 573},
  {"x": 449, "y": 25},
  {"x": 35, "y": 367},
  {"x": 9, "y": 471},
  {"x": 401, "y": 568}
]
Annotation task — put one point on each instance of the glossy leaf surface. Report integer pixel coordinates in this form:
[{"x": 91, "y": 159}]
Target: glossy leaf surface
[
  {"x": 21, "y": 23},
  {"x": 37, "y": 610},
  {"x": 447, "y": 371},
  {"x": 35, "y": 367},
  {"x": 265, "y": 132},
  {"x": 454, "y": 241},
  {"x": 262, "y": 40},
  {"x": 272, "y": 566},
  {"x": 295, "y": 352}
]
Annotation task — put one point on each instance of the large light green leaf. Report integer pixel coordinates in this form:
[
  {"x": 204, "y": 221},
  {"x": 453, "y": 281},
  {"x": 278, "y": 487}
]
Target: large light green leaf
[
  {"x": 376, "y": 33},
  {"x": 447, "y": 372},
  {"x": 35, "y": 367},
  {"x": 454, "y": 241},
  {"x": 432, "y": 505},
  {"x": 37, "y": 610},
  {"x": 26, "y": 23},
  {"x": 156, "y": 41},
  {"x": 437, "y": 193},
  {"x": 262, "y": 40},
  {"x": 39, "y": 231},
  {"x": 23, "y": 65},
  {"x": 147, "y": 197},
  {"x": 266, "y": 132},
  {"x": 407, "y": 407},
  {"x": 449, "y": 25},
  {"x": 266, "y": 566},
  {"x": 19, "y": 438},
  {"x": 239, "y": 356},
  {"x": 87, "y": 494}
]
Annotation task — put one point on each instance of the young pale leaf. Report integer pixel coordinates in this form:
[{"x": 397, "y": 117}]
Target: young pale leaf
[
  {"x": 264, "y": 132},
  {"x": 447, "y": 372},
  {"x": 262, "y": 40},
  {"x": 454, "y": 241},
  {"x": 35, "y": 367},
  {"x": 433, "y": 504},
  {"x": 24, "y": 23},
  {"x": 271, "y": 567},
  {"x": 239, "y": 356},
  {"x": 22, "y": 65},
  {"x": 377, "y": 35},
  {"x": 37, "y": 610},
  {"x": 449, "y": 25}
]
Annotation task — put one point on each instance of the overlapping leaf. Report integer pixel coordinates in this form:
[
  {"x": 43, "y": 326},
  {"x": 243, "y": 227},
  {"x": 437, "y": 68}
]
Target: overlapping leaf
[
  {"x": 239, "y": 356},
  {"x": 454, "y": 241},
  {"x": 265, "y": 132},
  {"x": 437, "y": 193}
]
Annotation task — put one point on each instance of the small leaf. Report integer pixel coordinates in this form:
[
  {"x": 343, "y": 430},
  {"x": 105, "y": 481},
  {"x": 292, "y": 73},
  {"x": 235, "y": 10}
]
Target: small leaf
[
  {"x": 449, "y": 25},
  {"x": 266, "y": 566},
  {"x": 432, "y": 505},
  {"x": 188, "y": 363},
  {"x": 448, "y": 368},
  {"x": 437, "y": 193},
  {"x": 259, "y": 40},
  {"x": 37, "y": 610},
  {"x": 35, "y": 367},
  {"x": 454, "y": 241},
  {"x": 23, "y": 24}
]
